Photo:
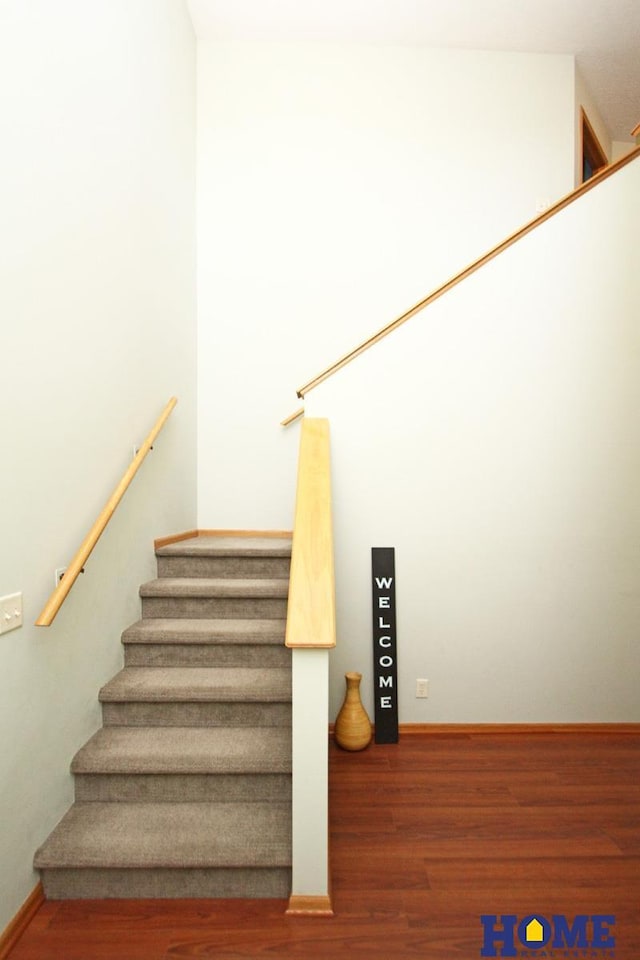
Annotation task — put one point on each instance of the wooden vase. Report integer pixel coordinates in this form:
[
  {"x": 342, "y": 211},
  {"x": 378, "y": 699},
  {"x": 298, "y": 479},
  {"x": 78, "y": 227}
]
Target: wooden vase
[{"x": 353, "y": 728}]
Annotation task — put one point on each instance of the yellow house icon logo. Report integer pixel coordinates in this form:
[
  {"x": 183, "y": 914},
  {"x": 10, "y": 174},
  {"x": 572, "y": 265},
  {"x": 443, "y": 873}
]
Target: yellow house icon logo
[{"x": 534, "y": 931}]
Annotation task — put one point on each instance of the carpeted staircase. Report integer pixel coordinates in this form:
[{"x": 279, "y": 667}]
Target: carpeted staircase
[{"x": 186, "y": 789}]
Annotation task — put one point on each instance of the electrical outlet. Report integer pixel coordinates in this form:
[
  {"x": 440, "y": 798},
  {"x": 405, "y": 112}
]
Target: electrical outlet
[
  {"x": 10, "y": 612},
  {"x": 422, "y": 688}
]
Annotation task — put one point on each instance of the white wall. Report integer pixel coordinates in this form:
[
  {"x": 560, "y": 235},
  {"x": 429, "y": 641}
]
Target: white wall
[
  {"x": 493, "y": 441},
  {"x": 620, "y": 148},
  {"x": 97, "y": 320},
  {"x": 337, "y": 186}
]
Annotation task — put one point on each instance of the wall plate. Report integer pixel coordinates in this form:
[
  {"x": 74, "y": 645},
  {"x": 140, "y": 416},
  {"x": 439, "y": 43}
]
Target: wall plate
[{"x": 10, "y": 612}]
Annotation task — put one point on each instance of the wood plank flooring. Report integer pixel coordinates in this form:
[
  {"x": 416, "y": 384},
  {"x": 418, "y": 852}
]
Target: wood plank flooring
[{"x": 427, "y": 835}]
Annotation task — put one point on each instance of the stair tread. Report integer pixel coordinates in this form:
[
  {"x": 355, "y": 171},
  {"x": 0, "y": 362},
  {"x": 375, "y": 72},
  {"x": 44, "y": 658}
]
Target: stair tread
[
  {"x": 214, "y": 587},
  {"x": 174, "y": 835},
  {"x": 195, "y": 750},
  {"x": 228, "y": 547},
  {"x": 190, "y": 684},
  {"x": 205, "y": 631}
]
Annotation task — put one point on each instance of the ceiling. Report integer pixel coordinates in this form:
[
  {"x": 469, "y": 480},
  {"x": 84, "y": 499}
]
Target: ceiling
[{"x": 604, "y": 35}]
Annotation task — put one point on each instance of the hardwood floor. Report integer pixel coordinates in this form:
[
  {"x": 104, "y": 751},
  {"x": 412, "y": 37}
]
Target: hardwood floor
[{"x": 427, "y": 835}]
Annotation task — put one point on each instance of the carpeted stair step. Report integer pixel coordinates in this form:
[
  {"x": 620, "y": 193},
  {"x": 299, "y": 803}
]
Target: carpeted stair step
[
  {"x": 186, "y": 789},
  {"x": 197, "y": 597},
  {"x": 168, "y": 850},
  {"x": 206, "y": 642},
  {"x": 184, "y": 764},
  {"x": 208, "y": 556},
  {"x": 197, "y": 696}
]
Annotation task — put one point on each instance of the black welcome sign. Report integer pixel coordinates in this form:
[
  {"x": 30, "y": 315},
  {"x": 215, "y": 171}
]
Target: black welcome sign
[{"x": 385, "y": 657}]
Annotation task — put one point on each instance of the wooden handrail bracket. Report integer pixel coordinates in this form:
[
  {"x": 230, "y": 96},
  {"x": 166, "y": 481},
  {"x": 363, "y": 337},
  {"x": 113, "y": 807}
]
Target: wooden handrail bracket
[
  {"x": 311, "y": 616},
  {"x": 602, "y": 174},
  {"x": 61, "y": 592}
]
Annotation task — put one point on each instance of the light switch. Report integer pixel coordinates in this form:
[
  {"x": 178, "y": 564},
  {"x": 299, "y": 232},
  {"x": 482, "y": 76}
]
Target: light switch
[{"x": 10, "y": 612}]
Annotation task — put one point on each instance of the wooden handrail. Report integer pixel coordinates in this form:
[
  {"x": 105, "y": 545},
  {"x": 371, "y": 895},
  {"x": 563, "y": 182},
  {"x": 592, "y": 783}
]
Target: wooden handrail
[
  {"x": 292, "y": 417},
  {"x": 60, "y": 593},
  {"x": 311, "y": 614},
  {"x": 602, "y": 174}
]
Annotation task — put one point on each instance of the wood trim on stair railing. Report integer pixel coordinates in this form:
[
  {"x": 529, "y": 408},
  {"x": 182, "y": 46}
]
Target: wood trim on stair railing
[
  {"x": 311, "y": 614},
  {"x": 598, "y": 178},
  {"x": 76, "y": 566},
  {"x": 636, "y": 131}
]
